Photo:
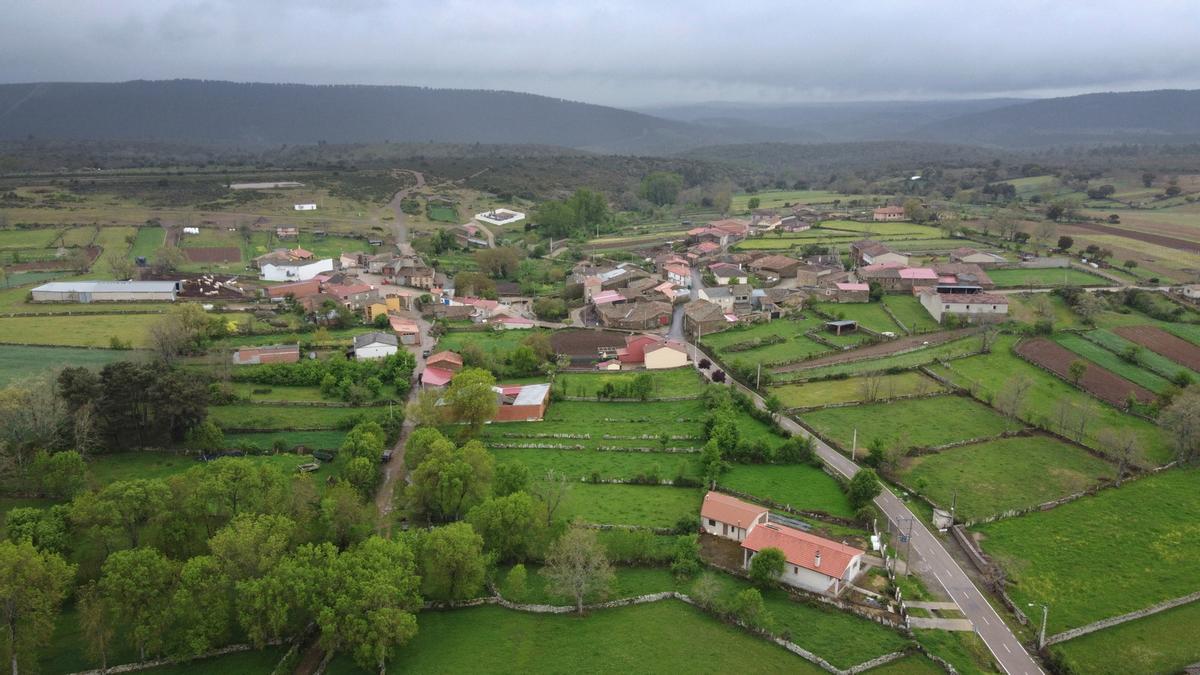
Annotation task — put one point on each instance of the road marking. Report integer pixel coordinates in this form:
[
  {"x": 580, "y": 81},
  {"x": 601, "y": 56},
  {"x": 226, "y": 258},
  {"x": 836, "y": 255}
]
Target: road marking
[{"x": 1005, "y": 644}]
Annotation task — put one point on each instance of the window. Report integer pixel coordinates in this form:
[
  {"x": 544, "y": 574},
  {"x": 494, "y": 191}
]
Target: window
[
  {"x": 795, "y": 569},
  {"x": 712, "y": 523}
]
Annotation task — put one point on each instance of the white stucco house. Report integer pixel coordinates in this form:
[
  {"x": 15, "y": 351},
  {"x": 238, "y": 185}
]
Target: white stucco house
[
  {"x": 729, "y": 517},
  {"x": 282, "y": 265},
  {"x": 975, "y": 307},
  {"x": 375, "y": 345},
  {"x": 813, "y": 563}
]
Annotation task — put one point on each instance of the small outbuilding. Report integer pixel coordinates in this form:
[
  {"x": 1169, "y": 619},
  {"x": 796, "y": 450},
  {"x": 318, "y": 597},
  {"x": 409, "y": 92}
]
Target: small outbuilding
[
  {"x": 729, "y": 517},
  {"x": 841, "y": 326},
  {"x": 375, "y": 345}
]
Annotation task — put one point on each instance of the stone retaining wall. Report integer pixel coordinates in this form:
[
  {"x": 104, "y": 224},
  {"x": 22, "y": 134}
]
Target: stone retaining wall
[{"x": 1118, "y": 620}]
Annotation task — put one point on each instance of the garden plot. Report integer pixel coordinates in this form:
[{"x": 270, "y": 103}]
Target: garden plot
[
  {"x": 252, "y": 417},
  {"x": 1052, "y": 403},
  {"x": 996, "y": 476},
  {"x": 674, "y": 383},
  {"x": 586, "y": 425},
  {"x": 1097, "y": 557},
  {"x": 1118, "y": 364},
  {"x": 868, "y": 315},
  {"x": 913, "y": 423},
  {"x": 909, "y": 310},
  {"x": 848, "y": 364},
  {"x": 1163, "y": 343},
  {"x": 1097, "y": 381},
  {"x": 1145, "y": 358},
  {"x": 773, "y": 342},
  {"x": 856, "y": 389},
  {"x": 660, "y": 506},
  {"x": 584, "y": 465}
]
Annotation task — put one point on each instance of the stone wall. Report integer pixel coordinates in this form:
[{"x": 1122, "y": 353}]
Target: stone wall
[{"x": 1118, "y": 620}]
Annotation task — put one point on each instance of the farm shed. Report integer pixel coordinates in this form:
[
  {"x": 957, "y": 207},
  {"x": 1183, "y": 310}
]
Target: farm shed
[
  {"x": 375, "y": 345},
  {"x": 521, "y": 403},
  {"x": 105, "y": 291},
  {"x": 841, "y": 327},
  {"x": 249, "y": 356},
  {"x": 973, "y": 306}
]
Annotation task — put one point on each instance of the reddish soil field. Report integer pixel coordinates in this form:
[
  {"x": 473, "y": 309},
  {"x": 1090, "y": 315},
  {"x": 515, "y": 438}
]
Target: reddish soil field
[
  {"x": 1148, "y": 237},
  {"x": 1160, "y": 341},
  {"x": 211, "y": 254},
  {"x": 585, "y": 342},
  {"x": 1099, "y": 382}
]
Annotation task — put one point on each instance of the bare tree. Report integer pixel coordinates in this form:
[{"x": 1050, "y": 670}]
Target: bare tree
[
  {"x": 1182, "y": 420},
  {"x": 552, "y": 490},
  {"x": 1121, "y": 445},
  {"x": 869, "y": 385},
  {"x": 1064, "y": 414},
  {"x": 1085, "y": 413},
  {"x": 1044, "y": 232},
  {"x": 86, "y": 431},
  {"x": 987, "y": 338},
  {"x": 1011, "y": 399},
  {"x": 577, "y": 566}
]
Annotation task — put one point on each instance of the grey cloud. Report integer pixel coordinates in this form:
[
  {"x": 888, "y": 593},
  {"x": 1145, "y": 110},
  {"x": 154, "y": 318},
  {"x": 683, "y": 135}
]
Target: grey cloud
[{"x": 623, "y": 52}]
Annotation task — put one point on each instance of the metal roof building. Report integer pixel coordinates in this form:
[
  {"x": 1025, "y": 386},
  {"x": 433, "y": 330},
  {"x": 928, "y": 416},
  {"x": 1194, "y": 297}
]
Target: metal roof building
[{"x": 105, "y": 291}]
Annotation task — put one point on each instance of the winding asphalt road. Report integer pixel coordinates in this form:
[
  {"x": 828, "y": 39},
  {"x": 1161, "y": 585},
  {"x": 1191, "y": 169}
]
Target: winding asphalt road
[{"x": 938, "y": 563}]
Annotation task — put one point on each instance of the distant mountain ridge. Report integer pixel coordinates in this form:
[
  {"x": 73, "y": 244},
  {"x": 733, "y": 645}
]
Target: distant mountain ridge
[{"x": 254, "y": 115}]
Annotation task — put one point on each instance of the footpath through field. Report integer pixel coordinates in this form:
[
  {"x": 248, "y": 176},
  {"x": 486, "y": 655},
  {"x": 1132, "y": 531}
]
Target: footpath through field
[{"x": 1004, "y": 645}]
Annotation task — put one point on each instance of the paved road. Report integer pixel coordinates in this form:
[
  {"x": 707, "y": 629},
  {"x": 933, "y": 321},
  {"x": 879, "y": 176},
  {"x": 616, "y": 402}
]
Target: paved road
[{"x": 938, "y": 563}]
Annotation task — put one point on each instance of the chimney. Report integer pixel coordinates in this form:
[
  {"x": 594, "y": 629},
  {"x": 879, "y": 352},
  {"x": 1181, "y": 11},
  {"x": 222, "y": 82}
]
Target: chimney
[{"x": 817, "y": 559}]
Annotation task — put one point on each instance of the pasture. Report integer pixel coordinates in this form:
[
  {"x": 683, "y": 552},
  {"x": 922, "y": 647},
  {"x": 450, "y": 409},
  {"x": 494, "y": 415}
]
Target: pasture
[
  {"x": 494, "y": 342},
  {"x": 1010, "y": 473},
  {"x": 868, "y": 315},
  {"x": 638, "y": 505},
  {"x": 912, "y": 423},
  {"x": 673, "y": 383},
  {"x": 253, "y": 417},
  {"x": 18, "y": 362},
  {"x": 580, "y": 465},
  {"x": 778, "y": 341},
  {"x": 917, "y": 357},
  {"x": 910, "y": 312},
  {"x": 105, "y": 469},
  {"x": 586, "y": 424},
  {"x": 774, "y": 199},
  {"x": 855, "y": 389},
  {"x": 1045, "y": 278},
  {"x": 147, "y": 241},
  {"x": 78, "y": 331},
  {"x": 1161, "y": 643},
  {"x": 1079, "y": 558},
  {"x": 798, "y": 485}
]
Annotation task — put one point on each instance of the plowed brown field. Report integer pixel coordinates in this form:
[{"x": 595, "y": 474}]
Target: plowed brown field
[
  {"x": 1097, "y": 381},
  {"x": 1161, "y": 342}
]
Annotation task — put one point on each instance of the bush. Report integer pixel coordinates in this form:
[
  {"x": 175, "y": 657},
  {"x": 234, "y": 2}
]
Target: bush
[
  {"x": 515, "y": 582},
  {"x": 767, "y": 566}
]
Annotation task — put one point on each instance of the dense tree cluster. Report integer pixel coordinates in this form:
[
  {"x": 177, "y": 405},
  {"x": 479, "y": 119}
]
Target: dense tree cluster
[{"x": 337, "y": 376}]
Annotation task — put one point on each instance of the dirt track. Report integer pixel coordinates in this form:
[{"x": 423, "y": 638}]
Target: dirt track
[{"x": 874, "y": 351}]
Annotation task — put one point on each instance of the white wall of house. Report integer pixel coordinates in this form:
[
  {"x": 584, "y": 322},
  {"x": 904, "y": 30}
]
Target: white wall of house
[
  {"x": 272, "y": 272},
  {"x": 724, "y": 530},
  {"x": 374, "y": 351},
  {"x": 812, "y": 580},
  {"x": 886, "y": 258},
  {"x": 938, "y": 309},
  {"x": 665, "y": 358}
]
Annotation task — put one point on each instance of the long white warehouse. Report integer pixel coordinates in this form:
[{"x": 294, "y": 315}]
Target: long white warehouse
[{"x": 105, "y": 291}]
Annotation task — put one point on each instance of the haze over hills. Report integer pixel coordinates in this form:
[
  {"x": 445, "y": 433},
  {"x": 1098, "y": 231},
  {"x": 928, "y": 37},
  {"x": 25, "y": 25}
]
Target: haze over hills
[{"x": 252, "y": 115}]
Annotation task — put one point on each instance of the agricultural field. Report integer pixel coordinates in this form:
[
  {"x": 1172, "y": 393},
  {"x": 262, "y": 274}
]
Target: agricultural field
[
  {"x": 18, "y": 362},
  {"x": 1009, "y": 473},
  {"x": 909, "y": 310},
  {"x": 493, "y": 342},
  {"x": 28, "y": 238},
  {"x": 868, "y": 314},
  {"x": 1030, "y": 307},
  {"x": 78, "y": 331},
  {"x": 316, "y": 440},
  {"x": 491, "y": 639},
  {"x": 580, "y": 465},
  {"x": 987, "y": 374},
  {"x": 909, "y": 423},
  {"x": 1163, "y": 343},
  {"x": 639, "y": 505},
  {"x": 147, "y": 241},
  {"x": 1043, "y": 278},
  {"x": 674, "y": 383},
  {"x": 443, "y": 213},
  {"x": 1090, "y": 351},
  {"x": 798, "y": 485},
  {"x": 587, "y": 423},
  {"x": 1160, "y": 643},
  {"x": 855, "y": 389},
  {"x": 776, "y": 199},
  {"x": 1097, "y": 381},
  {"x": 883, "y": 229},
  {"x": 105, "y": 469},
  {"x": 924, "y": 355},
  {"x": 1146, "y": 359},
  {"x": 255, "y": 417},
  {"x": 1077, "y": 557},
  {"x": 729, "y": 345}
]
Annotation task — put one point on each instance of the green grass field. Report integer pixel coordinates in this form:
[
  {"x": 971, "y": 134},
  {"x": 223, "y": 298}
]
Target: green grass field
[
  {"x": 674, "y": 383},
  {"x": 114, "y": 246},
  {"x": 922, "y": 422},
  {"x": 490, "y": 341},
  {"x": 869, "y": 315},
  {"x": 40, "y": 237},
  {"x": 148, "y": 240},
  {"x": 444, "y": 214},
  {"x": 105, "y": 469},
  {"x": 1121, "y": 550},
  {"x": 1042, "y": 278},
  {"x": 1102, "y": 357},
  {"x": 1161, "y": 643},
  {"x": 1010, "y": 473},
  {"x": 78, "y": 331},
  {"x": 987, "y": 374},
  {"x": 798, "y": 485},
  {"x": 582, "y": 464},
  {"x": 795, "y": 344},
  {"x": 911, "y": 313},
  {"x": 813, "y": 394},
  {"x": 320, "y": 440},
  {"x": 17, "y": 362},
  {"x": 874, "y": 229},
  {"x": 237, "y": 663},
  {"x": 1030, "y": 307},
  {"x": 628, "y": 421},
  {"x": 643, "y": 505},
  {"x": 773, "y": 199},
  {"x": 965, "y": 651},
  {"x": 1147, "y": 359},
  {"x": 283, "y": 417}
]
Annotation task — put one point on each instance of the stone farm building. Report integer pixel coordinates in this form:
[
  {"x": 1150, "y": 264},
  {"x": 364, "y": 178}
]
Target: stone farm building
[
  {"x": 251, "y": 356},
  {"x": 105, "y": 291},
  {"x": 885, "y": 214},
  {"x": 974, "y": 307},
  {"x": 635, "y": 315},
  {"x": 869, "y": 252}
]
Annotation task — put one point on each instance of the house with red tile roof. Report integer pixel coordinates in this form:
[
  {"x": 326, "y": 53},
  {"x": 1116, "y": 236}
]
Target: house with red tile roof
[
  {"x": 506, "y": 322},
  {"x": 885, "y": 214},
  {"x": 813, "y": 563},
  {"x": 440, "y": 369},
  {"x": 297, "y": 289},
  {"x": 730, "y": 517},
  {"x": 407, "y": 330},
  {"x": 269, "y": 354}
]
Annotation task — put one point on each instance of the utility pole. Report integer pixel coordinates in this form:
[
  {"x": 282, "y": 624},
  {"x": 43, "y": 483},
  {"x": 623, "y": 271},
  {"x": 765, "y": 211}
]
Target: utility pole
[
  {"x": 758, "y": 377},
  {"x": 854, "y": 445}
]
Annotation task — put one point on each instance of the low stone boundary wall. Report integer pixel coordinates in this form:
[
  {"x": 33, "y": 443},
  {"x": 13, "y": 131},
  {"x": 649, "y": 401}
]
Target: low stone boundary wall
[
  {"x": 155, "y": 663},
  {"x": 1118, "y": 620}
]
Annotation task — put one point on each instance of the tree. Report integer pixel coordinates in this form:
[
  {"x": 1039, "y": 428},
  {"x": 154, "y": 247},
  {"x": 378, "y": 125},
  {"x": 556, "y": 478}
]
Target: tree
[
  {"x": 748, "y": 606},
  {"x": 523, "y": 361},
  {"x": 31, "y": 418},
  {"x": 515, "y": 582},
  {"x": 863, "y": 488},
  {"x": 344, "y": 517},
  {"x": 369, "y": 605},
  {"x": 470, "y": 397},
  {"x": 915, "y": 211},
  {"x": 1055, "y": 212},
  {"x": 795, "y": 450},
  {"x": 1121, "y": 445},
  {"x": 448, "y": 483},
  {"x": 1076, "y": 370},
  {"x": 577, "y": 567},
  {"x": 550, "y": 309},
  {"x": 137, "y": 584},
  {"x": 33, "y": 584},
  {"x": 1065, "y": 243},
  {"x": 661, "y": 188},
  {"x": 1044, "y": 231},
  {"x": 712, "y": 464},
  {"x": 122, "y": 268},
  {"x": 452, "y": 563},
  {"x": 362, "y": 474},
  {"x": 1182, "y": 420},
  {"x": 1011, "y": 399},
  {"x": 421, "y": 443},
  {"x": 1148, "y": 179},
  {"x": 509, "y": 525},
  {"x": 200, "y": 607},
  {"x": 284, "y": 601},
  {"x": 641, "y": 386},
  {"x": 552, "y": 489},
  {"x": 685, "y": 558},
  {"x": 500, "y": 262},
  {"x": 96, "y": 623},
  {"x": 753, "y": 203},
  {"x": 251, "y": 544},
  {"x": 511, "y": 477},
  {"x": 424, "y": 410},
  {"x": 474, "y": 283},
  {"x": 46, "y": 529},
  {"x": 168, "y": 259},
  {"x": 128, "y": 507},
  {"x": 1088, "y": 306},
  {"x": 61, "y": 474},
  {"x": 206, "y": 438},
  {"x": 767, "y": 566}
]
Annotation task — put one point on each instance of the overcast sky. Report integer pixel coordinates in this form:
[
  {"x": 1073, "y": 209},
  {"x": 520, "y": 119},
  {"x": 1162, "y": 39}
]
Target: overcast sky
[{"x": 627, "y": 53}]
